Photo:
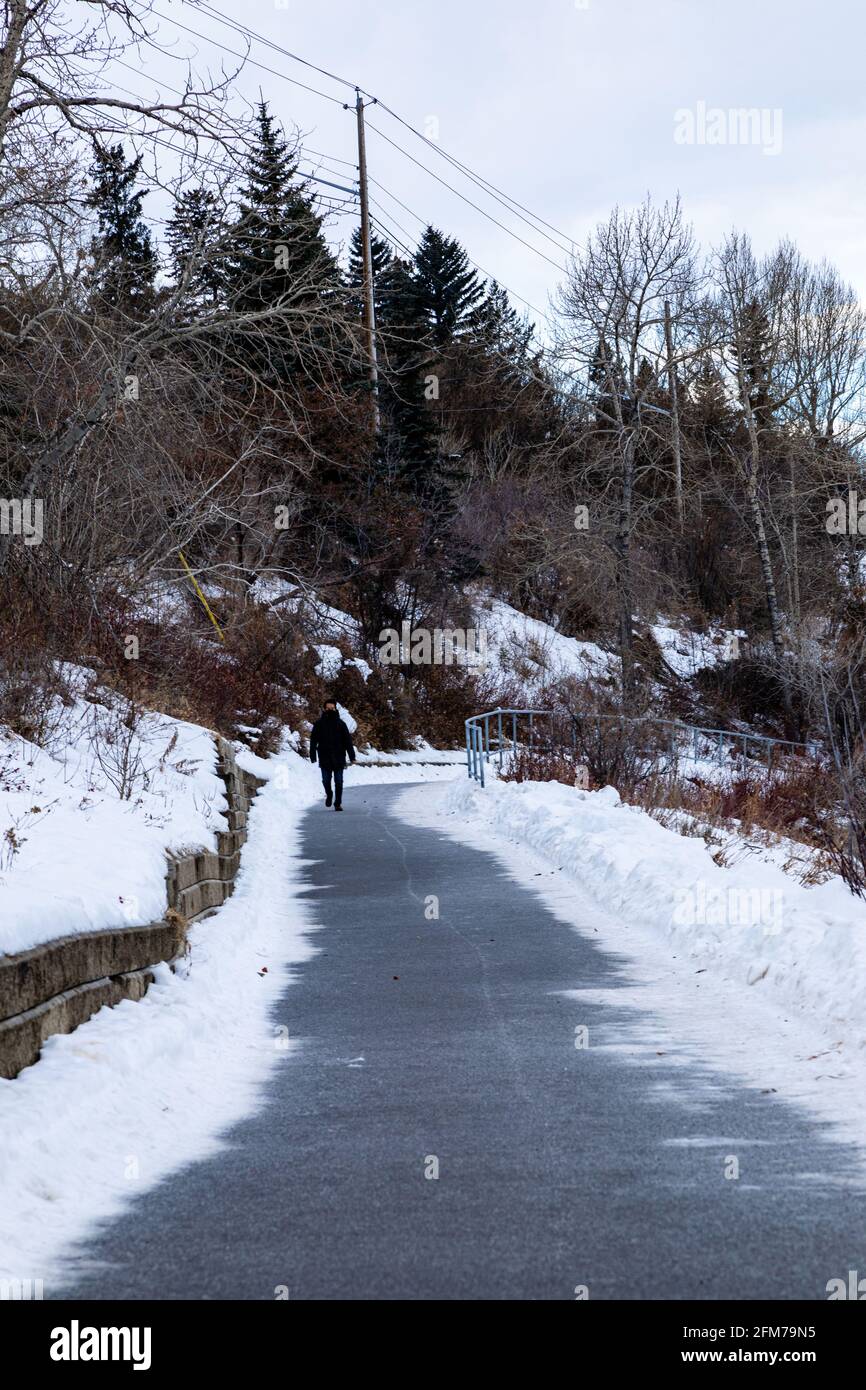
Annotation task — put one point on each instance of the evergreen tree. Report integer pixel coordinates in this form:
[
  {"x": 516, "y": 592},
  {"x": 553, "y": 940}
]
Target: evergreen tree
[
  {"x": 755, "y": 339},
  {"x": 499, "y": 332},
  {"x": 279, "y": 252},
  {"x": 192, "y": 234},
  {"x": 403, "y": 333},
  {"x": 447, "y": 288},
  {"x": 124, "y": 259},
  {"x": 708, "y": 413},
  {"x": 382, "y": 258}
]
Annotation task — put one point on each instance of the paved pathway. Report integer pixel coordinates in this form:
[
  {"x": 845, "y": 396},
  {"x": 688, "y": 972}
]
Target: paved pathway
[{"x": 453, "y": 1040}]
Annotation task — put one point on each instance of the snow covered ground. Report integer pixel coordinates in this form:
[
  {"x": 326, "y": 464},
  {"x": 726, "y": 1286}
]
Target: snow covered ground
[
  {"x": 534, "y": 653},
  {"x": 741, "y": 966},
  {"x": 77, "y": 853},
  {"x": 688, "y": 652}
]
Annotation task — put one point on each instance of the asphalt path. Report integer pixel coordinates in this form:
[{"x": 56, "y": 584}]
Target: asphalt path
[{"x": 437, "y": 1134}]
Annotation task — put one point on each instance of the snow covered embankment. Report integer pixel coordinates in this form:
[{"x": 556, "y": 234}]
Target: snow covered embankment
[
  {"x": 143, "y": 1088},
  {"x": 85, "y": 826},
  {"x": 751, "y": 924}
]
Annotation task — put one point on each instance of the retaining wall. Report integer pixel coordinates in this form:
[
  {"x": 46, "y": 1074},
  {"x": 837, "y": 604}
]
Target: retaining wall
[{"x": 55, "y": 986}]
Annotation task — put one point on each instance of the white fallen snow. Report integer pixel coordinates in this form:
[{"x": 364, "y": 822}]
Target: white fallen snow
[
  {"x": 687, "y": 652},
  {"x": 532, "y": 652},
  {"x": 145, "y": 1087},
  {"x": 741, "y": 967},
  {"x": 76, "y": 855}
]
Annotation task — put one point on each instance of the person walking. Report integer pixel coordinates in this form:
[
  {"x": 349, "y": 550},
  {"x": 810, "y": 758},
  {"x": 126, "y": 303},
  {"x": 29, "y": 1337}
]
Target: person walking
[{"x": 331, "y": 741}]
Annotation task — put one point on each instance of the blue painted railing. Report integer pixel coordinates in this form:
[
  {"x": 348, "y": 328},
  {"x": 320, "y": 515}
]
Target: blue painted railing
[{"x": 506, "y": 726}]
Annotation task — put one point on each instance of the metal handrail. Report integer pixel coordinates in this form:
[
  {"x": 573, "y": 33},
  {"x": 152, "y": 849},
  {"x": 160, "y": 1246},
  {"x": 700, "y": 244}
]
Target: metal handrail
[{"x": 478, "y": 740}]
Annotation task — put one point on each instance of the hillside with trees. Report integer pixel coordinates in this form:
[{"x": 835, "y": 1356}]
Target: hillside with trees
[{"x": 192, "y": 393}]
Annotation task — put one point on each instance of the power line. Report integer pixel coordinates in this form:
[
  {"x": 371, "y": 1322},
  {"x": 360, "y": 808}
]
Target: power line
[
  {"x": 244, "y": 57},
  {"x": 200, "y": 158},
  {"x": 499, "y": 194},
  {"x": 479, "y": 179},
  {"x": 335, "y": 159},
  {"x": 249, "y": 33},
  {"x": 424, "y": 222},
  {"x": 456, "y": 191},
  {"x": 222, "y": 165},
  {"x": 176, "y": 91},
  {"x": 252, "y": 34},
  {"x": 389, "y": 236},
  {"x": 269, "y": 43}
]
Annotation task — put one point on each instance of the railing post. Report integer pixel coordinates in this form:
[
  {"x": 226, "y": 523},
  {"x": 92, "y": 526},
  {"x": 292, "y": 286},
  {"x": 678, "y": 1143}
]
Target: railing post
[
  {"x": 481, "y": 756},
  {"x": 468, "y": 753},
  {"x": 499, "y": 715}
]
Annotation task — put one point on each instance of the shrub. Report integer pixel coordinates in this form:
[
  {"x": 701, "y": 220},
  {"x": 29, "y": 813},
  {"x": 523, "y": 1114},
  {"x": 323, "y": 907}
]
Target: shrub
[{"x": 545, "y": 765}]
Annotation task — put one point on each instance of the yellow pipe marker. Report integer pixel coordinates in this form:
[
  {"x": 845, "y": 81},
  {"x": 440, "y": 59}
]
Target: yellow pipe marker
[{"x": 195, "y": 585}]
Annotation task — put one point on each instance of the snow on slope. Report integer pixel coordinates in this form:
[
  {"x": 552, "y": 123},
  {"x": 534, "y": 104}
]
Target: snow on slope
[
  {"x": 688, "y": 652},
  {"x": 534, "y": 652},
  {"x": 742, "y": 965},
  {"x": 89, "y": 858}
]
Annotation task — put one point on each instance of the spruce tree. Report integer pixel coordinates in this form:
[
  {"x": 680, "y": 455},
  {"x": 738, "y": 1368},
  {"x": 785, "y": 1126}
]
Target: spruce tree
[
  {"x": 192, "y": 234},
  {"x": 405, "y": 357},
  {"x": 498, "y": 331},
  {"x": 279, "y": 252},
  {"x": 382, "y": 258},
  {"x": 125, "y": 263},
  {"x": 447, "y": 288}
]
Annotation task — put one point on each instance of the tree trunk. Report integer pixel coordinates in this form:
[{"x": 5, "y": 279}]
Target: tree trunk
[{"x": 622, "y": 549}]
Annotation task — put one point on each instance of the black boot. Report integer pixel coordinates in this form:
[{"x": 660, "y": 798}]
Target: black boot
[
  {"x": 328, "y": 799},
  {"x": 338, "y": 807}
]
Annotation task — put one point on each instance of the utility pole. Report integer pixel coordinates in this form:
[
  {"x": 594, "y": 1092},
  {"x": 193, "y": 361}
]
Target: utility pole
[
  {"x": 675, "y": 418},
  {"x": 369, "y": 305}
]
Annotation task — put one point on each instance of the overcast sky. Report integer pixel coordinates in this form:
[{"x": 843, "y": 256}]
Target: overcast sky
[{"x": 571, "y": 107}]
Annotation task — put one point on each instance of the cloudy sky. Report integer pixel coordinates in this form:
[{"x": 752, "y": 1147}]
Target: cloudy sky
[{"x": 570, "y": 107}]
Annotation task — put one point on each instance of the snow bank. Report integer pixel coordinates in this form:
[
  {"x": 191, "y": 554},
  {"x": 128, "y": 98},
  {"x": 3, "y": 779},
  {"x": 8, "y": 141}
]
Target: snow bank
[
  {"x": 143, "y": 1088},
  {"x": 751, "y": 923},
  {"x": 687, "y": 652},
  {"x": 75, "y": 854},
  {"x": 766, "y": 989}
]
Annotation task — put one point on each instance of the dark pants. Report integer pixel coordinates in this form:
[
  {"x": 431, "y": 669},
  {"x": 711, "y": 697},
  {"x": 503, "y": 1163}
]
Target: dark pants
[{"x": 337, "y": 773}]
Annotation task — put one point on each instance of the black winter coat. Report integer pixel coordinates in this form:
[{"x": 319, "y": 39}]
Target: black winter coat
[{"x": 331, "y": 740}]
